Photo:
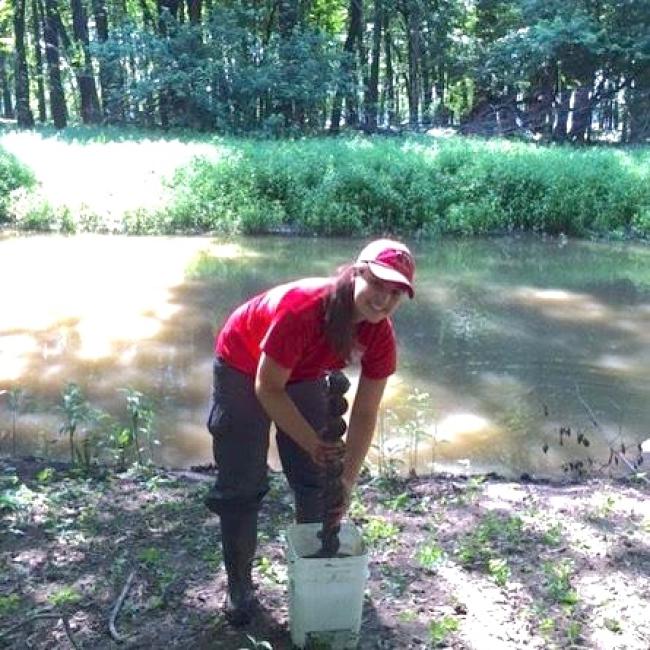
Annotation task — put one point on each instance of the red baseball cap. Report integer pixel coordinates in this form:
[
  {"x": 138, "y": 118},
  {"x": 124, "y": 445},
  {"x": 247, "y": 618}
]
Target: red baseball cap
[{"x": 391, "y": 261}]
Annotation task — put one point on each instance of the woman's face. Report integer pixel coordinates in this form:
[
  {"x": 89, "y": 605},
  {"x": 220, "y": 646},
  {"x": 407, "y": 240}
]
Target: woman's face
[{"x": 375, "y": 299}]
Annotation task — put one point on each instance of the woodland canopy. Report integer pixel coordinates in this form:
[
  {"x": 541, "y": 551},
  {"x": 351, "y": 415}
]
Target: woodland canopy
[{"x": 547, "y": 68}]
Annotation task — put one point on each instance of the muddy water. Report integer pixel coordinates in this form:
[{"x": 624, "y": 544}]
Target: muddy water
[{"x": 507, "y": 341}]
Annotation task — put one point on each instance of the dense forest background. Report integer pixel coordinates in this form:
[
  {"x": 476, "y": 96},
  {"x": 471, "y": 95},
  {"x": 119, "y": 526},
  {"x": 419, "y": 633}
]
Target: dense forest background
[{"x": 557, "y": 70}]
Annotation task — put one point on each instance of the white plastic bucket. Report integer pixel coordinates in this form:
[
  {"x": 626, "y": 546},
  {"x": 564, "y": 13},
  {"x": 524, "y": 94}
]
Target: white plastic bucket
[{"x": 325, "y": 594}]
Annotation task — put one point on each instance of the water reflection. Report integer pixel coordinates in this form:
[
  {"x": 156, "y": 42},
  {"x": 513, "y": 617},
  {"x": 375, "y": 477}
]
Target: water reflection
[{"x": 507, "y": 341}]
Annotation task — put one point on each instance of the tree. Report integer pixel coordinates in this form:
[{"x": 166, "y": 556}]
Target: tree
[
  {"x": 372, "y": 94},
  {"x": 51, "y": 35},
  {"x": 8, "y": 111},
  {"x": 24, "y": 114},
  {"x": 37, "y": 13},
  {"x": 90, "y": 111}
]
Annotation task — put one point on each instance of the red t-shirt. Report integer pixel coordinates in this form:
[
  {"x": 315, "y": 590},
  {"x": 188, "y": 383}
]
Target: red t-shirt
[{"x": 286, "y": 323}]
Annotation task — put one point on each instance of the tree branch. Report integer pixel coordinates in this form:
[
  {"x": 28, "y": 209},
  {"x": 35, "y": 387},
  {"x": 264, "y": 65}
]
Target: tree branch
[{"x": 118, "y": 605}]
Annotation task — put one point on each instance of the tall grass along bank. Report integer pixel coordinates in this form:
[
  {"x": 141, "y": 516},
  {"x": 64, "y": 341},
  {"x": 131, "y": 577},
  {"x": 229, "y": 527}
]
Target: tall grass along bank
[
  {"x": 327, "y": 186},
  {"x": 423, "y": 186}
]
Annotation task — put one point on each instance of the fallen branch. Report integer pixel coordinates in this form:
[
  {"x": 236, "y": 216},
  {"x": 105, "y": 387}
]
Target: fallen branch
[
  {"x": 116, "y": 608},
  {"x": 620, "y": 457},
  {"x": 41, "y": 616}
]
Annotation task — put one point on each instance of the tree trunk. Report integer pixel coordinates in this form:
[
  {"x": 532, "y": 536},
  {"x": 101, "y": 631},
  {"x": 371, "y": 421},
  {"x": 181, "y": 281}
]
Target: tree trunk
[
  {"x": 390, "y": 75},
  {"x": 194, "y": 9},
  {"x": 347, "y": 66},
  {"x": 356, "y": 45},
  {"x": 8, "y": 110},
  {"x": 560, "y": 129},
  {"x": 414, "y": 55},
  {"x": 23, "y": 111},
  {"x": 637, "y": 98},
  {"x": 167, "y": 14},
  {"x": 287, "y": 20},
  {"x": 581, "y": 114},
  {"x": 51, "y": 36},
  {"x": 373, "y": 85},
  {"x": 37, "y": 13},
  {"x": 90, "y": 112}
]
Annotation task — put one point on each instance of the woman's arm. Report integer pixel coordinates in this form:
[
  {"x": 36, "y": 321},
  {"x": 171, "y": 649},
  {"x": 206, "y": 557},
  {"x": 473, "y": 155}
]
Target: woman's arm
[
  {"x": 270, "y": 382},
  {"x": 363, "y": 419}
]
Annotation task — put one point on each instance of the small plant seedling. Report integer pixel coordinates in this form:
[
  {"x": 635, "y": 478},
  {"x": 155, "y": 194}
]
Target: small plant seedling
[
  {"x": 151, "y": 556},
  {"x": 430, "y": 556},
  {"x": 558, "y": 581},
  {"x": 498, "y": 568},
  {"x": 553, "y": 536},
  {"x": 64, "y": 596},
  {"x": 379, "y": 530},
  {"x": 440, "y": 629},
  {"x": 9, "y": 604},
  {"x": 613, "y": 625}
]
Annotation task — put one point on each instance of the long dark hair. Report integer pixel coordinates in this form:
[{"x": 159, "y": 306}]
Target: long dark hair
[{"x": 339, "y": 312}]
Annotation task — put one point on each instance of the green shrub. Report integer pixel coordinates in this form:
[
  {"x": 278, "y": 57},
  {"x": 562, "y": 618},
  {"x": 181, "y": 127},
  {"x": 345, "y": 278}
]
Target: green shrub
[
  {"x": 414, "y": 185},
  {"x": 13, "y": 175}
]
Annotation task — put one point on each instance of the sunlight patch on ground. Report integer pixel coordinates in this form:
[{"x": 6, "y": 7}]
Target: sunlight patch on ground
[
  {"x": 489, "y": 611},
  {"x": 104, "y": 177},
  {"x": 615, "y": 598}
]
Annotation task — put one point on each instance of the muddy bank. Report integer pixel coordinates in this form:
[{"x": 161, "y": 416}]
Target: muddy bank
[{"x": 462, "y": 563}]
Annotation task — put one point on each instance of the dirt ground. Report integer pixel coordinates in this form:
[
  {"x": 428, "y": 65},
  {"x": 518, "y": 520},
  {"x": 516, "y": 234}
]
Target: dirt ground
[{"x": 468, "y": 563}]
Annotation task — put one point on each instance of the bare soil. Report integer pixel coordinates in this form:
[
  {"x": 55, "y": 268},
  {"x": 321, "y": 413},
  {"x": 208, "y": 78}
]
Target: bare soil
[{"x": 467, "y": 563}]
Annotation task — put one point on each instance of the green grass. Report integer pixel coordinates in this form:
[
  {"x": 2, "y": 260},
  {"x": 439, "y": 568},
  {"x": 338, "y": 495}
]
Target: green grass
[
  {"x": 9, "y": 604},
  {"x": 331, "y": 186},
  {"x": 439, "y": 630},
  {"x": 378, "y": 531},
  {"x": 65, "y": 596},
  {"x": 461, "y": 186}
]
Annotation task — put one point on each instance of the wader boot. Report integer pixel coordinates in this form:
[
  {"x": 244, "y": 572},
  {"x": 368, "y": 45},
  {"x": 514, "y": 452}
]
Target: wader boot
[
  {"x": 239, "y": 540},
  {"x": 309, "y": 506}
]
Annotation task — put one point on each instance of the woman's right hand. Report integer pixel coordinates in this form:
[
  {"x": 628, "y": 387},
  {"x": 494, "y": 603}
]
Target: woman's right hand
[{"x": 322, "y": 452}]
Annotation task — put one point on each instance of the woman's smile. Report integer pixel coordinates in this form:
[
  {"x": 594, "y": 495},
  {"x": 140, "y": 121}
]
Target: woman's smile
[{"x": 375, "y": 299}]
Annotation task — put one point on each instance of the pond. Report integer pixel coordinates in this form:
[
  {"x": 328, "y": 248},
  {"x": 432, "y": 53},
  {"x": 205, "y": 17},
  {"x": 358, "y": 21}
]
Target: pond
[{"x": 508, "y": 342}]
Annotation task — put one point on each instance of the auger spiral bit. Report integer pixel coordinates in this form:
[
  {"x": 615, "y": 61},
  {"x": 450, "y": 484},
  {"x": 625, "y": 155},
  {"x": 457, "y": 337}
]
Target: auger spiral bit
[{"x": 334, "y": 495}]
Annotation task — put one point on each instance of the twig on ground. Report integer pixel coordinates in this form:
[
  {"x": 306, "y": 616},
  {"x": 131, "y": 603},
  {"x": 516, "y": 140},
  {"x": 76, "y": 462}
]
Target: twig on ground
[
  {"x": 41, "y": 616},
  {"x": 118, "y": 605},
  {"x": 620, "y": 457}
]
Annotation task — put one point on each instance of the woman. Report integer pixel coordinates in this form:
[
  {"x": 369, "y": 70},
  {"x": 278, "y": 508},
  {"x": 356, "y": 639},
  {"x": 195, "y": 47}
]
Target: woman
[{"x": 272, "y": 356}]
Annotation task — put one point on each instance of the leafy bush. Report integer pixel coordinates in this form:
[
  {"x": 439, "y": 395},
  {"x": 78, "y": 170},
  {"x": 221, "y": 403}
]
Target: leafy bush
[
  {"x": 414, "y": 185},
  {"x": 13, "y": 175}
]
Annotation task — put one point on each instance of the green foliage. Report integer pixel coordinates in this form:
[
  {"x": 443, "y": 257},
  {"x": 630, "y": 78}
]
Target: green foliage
[
  {"x": 552, "y": 536},
  {"x": 9, "y": 604},
  {"x": 498, "y": 568},
  {"x": 462, "y": 186},
  {"x": 439, "y": 630},
  {"x": 378, "y": 531},
  {"x": 13, "y": 175},
  {"x": 64, "y": 596},
  {"x": 430, "y": 556},
  {"x": 17, "y": 399},
  {"x": 558, "y": 581},
  {"x": 151, "y": 556},
  {"x": 76, "y": 412},
  {"x": 491, "y": 535},
  {"x": 225, "y": 73},
  {"x": 141, "y": 415}
]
